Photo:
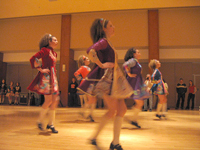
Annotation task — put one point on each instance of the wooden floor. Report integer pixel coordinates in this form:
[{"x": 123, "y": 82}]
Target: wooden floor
[{"x": 18, "y": 130}]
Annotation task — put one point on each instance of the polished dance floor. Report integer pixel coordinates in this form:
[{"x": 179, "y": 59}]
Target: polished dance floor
[{"x": 18, "y": 130}]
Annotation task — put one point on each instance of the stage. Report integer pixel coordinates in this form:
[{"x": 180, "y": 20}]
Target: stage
[{"x": 18, "y": 130}]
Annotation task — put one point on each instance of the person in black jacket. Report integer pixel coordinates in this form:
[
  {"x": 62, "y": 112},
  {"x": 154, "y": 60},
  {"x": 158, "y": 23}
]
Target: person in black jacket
[
  {"x": 73, "y": 99},
  {"x": 181, "y": 89}
]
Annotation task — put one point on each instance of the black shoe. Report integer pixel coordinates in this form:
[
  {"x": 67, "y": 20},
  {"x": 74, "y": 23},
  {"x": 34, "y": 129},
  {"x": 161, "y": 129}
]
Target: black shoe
[
  {"x": 52, "y": 128},
  {"x": 117, "y": 147},
  {"x": 176, "y": 108},
  {"x": 150, "y": 110},
  {"x": 40, "y": 126},
  {"x": 159, "y": 116},
  {"x": 93, "y": 142},
  {"x": 91, "y": 119},
  {"x": 135, "y": 124},
  {"x": 186, "y": 108}
]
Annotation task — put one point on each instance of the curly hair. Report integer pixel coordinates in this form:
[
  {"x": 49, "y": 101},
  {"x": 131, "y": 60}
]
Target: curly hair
[
  {"x": 96, "y": 30},
  {"x": 129, "y": 54},
  {"x": 44, "y": 41},
  {"x": 152, "y": 64}
]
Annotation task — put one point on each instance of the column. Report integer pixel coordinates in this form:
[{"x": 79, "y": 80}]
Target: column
[{"x": 65, "y": 59}]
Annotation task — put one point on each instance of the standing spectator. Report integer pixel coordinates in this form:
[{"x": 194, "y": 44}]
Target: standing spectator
[
  {"x": 45, "y": 82},
  {"x": 181, "y": 89},
  {"x": 17, "y": 93},
  {"x": 148, "y": 83},
  {"x": 73, "y": 100},
  {"x": 192, "y": 90},
  {"x": 166, "y": 87},
  {"x": 3, "y": 88},
  {"x": 11, "y": 92}
]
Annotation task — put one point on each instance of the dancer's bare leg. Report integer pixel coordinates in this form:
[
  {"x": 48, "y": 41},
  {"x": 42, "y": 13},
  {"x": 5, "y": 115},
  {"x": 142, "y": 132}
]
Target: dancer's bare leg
[
  {"x": 44, "y": 110},
  {"x": 112, "y": 107},
  {"x": 121, "y": 110}
]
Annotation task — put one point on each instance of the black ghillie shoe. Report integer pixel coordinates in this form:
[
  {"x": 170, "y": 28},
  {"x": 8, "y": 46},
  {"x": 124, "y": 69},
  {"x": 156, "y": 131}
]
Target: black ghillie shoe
[
  {"x": 40, "y": 126},
  {"x": 52, "y": 128},
  {"x": 93, "y": 142},
  {"x": 117, "y": 147},
  {"x": 91, "y": 119},
  {"x": 159, "y": 116},
  {"x": 135, "y": 124}
]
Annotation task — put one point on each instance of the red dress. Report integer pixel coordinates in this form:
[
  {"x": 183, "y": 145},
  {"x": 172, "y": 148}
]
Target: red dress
[
  {"x": 45, "y": 83},
  {"x": 81, "y": 73}
]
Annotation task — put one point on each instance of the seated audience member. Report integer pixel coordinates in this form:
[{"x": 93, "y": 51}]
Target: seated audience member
[
  {"x": 17, "y": 93},
  {"x": 11, "y": 92}
]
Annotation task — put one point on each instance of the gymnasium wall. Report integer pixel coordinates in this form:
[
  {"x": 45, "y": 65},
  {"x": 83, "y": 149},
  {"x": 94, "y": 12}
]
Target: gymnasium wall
[{"x": 179, "y": 38}]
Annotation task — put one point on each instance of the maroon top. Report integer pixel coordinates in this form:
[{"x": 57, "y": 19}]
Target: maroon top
[
  {"x": 45, "y": 83},
  {"x": 105, "y": 53}
]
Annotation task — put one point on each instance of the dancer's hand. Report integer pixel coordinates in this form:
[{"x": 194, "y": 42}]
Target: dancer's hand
[
  {"x": 132, "y": 75},
  {"x": 45, "y": 71},
  {"x": 108, "y": 65}
]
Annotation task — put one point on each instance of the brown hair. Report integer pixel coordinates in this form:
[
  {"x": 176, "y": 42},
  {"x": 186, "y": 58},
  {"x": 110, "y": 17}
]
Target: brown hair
[
  {"x": 96, "y": 30},
  {"x": 44, "y": 41},
  {"x": 129, "y": 54},
  {"x": 192, "y": 82}
]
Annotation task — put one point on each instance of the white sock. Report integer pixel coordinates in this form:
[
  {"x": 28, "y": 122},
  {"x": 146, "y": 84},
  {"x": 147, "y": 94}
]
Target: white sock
[
  {"x": 101, "y": 125},
  {"x": 84, "y": 108},
  {"x": 43, "y": 112},
  {"x": 92, "y": 109},
  {"x": 117, "y": 128},
  {"x": 135, "y": 115},
  {"x": 159, "y": 107},
  {"x": 51, "y": 117},
  {"x": 81, "y": 99},
  {"x": 164, "y": 108}
]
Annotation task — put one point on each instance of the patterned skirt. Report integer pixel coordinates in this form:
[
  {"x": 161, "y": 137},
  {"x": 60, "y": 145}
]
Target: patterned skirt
[
  {"x": 159, "y": 89},
  {"x": 141, "y": 94},
  {"x": 45, "y": 84},
  {"x": 111, "y": 83}
]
